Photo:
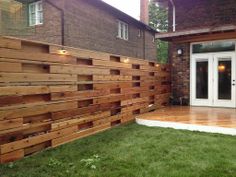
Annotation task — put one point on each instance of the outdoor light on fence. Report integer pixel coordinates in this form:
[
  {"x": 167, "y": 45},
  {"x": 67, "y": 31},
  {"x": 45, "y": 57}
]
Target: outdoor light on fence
[
  {"x": 62, "y": 51},
  {"x": 157, "y": 65},
  {"x": 180, "y": 52},
  {"x": 126, "y": 60},
  {"x": 150, "y": 105}
]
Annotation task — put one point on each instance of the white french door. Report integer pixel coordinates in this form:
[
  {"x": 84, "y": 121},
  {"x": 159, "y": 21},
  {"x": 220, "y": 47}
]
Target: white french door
[
  {"x": 224, "y": 80},
  {"x": 213, "y": 80}
]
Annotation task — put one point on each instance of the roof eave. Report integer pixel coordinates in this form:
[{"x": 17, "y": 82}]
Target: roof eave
[{"x": 172, "y": 35}]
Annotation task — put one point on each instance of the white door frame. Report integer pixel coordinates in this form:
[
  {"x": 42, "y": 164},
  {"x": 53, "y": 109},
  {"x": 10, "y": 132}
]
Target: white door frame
[
  {"x": 224, "y": 103},
  {"x": 211, "y": 101},
  {"x": 194, "y": 101}
]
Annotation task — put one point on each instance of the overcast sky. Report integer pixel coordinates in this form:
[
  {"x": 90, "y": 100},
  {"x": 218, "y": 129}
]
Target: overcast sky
[{"x": 131, "y": 7}]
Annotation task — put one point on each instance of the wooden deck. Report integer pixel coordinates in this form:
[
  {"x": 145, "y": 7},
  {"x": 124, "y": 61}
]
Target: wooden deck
[{"x": 215, "y": 120}]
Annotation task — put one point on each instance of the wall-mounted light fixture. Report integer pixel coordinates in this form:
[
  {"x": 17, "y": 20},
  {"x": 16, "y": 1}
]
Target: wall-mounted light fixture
[
  {"x": 157, "y": 65},
  {"x": 126, "y": 60},
  {"x": 150, "y": 105},
  {"x": 180, "y": 52},
  {"x": 62, "y": 51}
]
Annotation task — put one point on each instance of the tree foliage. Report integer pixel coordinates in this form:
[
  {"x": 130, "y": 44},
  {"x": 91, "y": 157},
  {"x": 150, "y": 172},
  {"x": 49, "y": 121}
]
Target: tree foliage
[{"x": 159, "y": 20}]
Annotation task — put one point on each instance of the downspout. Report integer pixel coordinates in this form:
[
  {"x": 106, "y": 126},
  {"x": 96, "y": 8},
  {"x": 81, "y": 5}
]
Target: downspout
[
  {"x": 174, "y": 15},
  {"x": 144, "y": 44},
  {"x": 174, "y": 29},
  {"x": 62, "y": 21}
]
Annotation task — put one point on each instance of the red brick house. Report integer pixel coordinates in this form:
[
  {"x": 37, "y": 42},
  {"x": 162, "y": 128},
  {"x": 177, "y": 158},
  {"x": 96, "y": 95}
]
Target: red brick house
[
  {"x": 202, "y": 36},
  {"x": 91, "y": 24}
]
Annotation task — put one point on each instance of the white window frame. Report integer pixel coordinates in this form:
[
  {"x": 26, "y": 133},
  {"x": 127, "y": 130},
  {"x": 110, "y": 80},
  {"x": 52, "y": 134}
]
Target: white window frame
[
  {"x": 139, "y": 33},
  {"x": 123, "y": 30},
  {"x": 37, "y": 11}
]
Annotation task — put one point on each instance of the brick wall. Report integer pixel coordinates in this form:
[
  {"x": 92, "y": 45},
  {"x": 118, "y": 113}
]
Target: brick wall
[
  {"x": 11, "y": 23},
  {"x": 180, "y": 73},
  {"x": 144, "y": 11},
  {"x": 88, "y": 26},
  {"x": 91, "y": 27},
  {"x": 203, "y": 13},
  {"x": 150, "y": 47},
  {"x": 194, "y": 14},
  {"x": 50, "y": 30},
  {"x": 1, "y": 26}
]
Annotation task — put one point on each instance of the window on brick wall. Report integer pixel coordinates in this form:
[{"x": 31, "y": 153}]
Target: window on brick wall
[
  {"x": 36, "y": 13},
  {"x": 123, "y": 30}
]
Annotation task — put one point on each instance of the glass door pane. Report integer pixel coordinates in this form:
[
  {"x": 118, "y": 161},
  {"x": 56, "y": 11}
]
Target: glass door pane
[
  {"x": 224, "y": 75},
  {"x": 224, "y": 79},
  {"x": 202, "y": 79}
]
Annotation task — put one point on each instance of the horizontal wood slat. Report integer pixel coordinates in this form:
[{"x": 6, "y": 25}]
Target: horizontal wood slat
[
  {"x": 10, "y": 43},
  {"x": 48, "y": 99}
]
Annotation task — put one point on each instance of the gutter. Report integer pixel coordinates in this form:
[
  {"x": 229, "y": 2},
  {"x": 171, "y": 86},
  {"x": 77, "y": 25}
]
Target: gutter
[
  {"x": 62, "y": 21},
  {"x": 174, "y": 15}
]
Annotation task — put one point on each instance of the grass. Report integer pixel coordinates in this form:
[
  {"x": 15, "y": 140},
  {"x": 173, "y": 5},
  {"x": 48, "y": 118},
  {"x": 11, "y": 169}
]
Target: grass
[{"x": 134, "y": 151}]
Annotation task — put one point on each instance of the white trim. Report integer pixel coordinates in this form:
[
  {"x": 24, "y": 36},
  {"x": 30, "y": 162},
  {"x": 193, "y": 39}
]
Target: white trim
[
  {"x": 211, "y": 41},
  {"x": 194, "y": 100},
  {"x": 182, "y": 126},
  {"x": 210, "y": 55},
  {"x": 218, "y": 102}
]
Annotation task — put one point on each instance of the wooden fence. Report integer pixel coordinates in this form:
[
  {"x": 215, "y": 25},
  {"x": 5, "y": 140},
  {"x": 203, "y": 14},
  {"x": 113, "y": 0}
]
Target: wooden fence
[{"x": 48, "y": 98}]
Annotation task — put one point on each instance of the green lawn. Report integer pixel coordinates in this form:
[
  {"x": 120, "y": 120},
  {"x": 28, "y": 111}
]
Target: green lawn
[{"x": 134, "y": 151}]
